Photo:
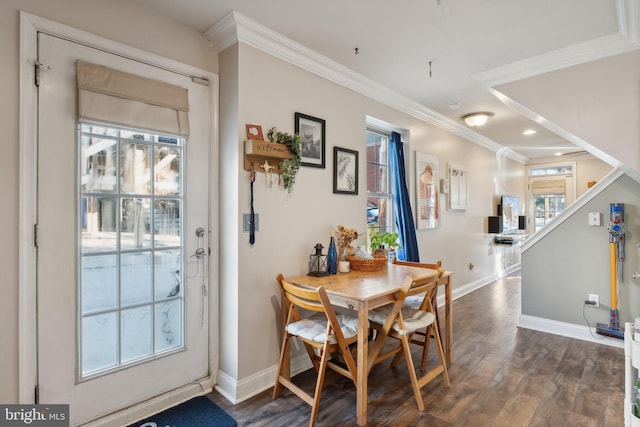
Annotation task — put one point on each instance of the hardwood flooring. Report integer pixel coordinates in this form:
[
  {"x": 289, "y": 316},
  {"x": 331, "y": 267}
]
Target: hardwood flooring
[{"x": 500, "y": 376}]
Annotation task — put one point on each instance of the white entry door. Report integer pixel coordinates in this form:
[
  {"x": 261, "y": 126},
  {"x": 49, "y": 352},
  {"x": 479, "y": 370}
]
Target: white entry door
[{"x": 122, "y": 279}]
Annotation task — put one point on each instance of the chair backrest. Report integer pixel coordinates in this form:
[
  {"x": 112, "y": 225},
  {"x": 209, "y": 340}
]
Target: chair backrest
[
  {"x": 429, "y": 287},
  {"x": 309, "y": 299},
  {"x": 434, "y": 266}
]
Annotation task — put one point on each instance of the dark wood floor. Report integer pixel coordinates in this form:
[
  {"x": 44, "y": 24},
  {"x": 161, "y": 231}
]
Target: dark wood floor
[{"x": 500, "y": 376}]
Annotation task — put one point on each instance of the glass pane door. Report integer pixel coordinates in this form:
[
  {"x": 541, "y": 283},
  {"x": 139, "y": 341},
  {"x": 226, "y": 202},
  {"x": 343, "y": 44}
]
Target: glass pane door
[
  {"x": 547, "y": 206},
  {"x": 131, "y": 247}
]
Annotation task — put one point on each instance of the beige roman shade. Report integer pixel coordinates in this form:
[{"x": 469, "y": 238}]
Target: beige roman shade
[
  {"x": 555, "y": 186},
  {"x": 122, "y": 99}
]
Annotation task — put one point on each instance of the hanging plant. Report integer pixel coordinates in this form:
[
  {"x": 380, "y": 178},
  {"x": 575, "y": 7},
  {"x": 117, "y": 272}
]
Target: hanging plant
[{"x": 291, "y": 165}]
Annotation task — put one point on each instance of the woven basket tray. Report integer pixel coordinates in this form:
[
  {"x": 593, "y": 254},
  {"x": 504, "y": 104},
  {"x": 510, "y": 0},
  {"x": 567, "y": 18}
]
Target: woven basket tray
[{"x": 360, "y": 264}]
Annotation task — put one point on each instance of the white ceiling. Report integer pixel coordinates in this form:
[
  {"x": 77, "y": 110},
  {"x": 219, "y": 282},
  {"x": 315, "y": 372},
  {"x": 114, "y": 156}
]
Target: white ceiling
[{"x": 467, "y": 42}]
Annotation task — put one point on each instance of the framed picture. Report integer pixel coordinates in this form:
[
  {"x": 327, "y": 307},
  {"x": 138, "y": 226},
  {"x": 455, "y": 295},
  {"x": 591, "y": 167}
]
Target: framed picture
[
  {"x": 311, "y": 131},
  {"x": 427, "y": 194},
  {"x": 457, "y": 187},
  {"x": 254, "y": 132},
  {"x": 345, "y": 171}
]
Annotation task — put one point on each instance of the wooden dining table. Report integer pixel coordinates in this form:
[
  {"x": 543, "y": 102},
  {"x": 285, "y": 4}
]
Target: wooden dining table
[{"x": 365, "y": 290}]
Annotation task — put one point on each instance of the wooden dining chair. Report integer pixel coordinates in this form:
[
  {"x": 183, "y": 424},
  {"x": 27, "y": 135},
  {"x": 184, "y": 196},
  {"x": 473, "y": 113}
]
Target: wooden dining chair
[
  {"x": 401, "y": 322},
  {"x": 324, "y": 332},
  {"x": 417, "y": 301}
]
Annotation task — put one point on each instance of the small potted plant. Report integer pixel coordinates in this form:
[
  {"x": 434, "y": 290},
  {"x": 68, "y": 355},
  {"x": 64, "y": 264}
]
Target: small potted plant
[
  {"x": 290, "y": 166},
  {"x": 384, "y": 242}
]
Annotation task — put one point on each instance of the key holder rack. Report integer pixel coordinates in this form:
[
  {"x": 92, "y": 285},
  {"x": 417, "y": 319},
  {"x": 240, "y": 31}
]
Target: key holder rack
[{"x": 265, "y": 156}]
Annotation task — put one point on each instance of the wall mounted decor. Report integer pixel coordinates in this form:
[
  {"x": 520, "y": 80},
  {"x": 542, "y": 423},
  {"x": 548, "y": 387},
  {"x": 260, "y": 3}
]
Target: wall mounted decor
[
  {"x": 458, "y": 180},
  {"x": 254, "y": 132},
  {"x": 345, "y": 171},
  {"x": 427, "y": 194},
  {"x": 312, "y": 134}
]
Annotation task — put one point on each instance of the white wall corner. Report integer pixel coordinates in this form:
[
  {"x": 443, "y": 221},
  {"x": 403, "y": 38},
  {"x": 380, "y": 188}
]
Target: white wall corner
[
  {"x": 236, "y": 391},
  {"x": 564, "y": 329}
]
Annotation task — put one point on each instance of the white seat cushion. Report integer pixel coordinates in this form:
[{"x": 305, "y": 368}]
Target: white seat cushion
[
  {"x": 413, "y": 319},
  {"x": 314, "y": 328},
  {"x": 414, "y": 301}
]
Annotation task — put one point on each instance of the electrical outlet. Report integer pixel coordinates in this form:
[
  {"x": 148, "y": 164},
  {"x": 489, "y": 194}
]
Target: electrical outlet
[{"x": 594, "y": 298}]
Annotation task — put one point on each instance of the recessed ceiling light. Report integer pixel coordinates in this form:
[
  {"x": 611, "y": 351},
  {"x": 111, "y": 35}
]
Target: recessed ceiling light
[
  {"x": 529, "y": 132},
  {"x": 558, "y": 154}
]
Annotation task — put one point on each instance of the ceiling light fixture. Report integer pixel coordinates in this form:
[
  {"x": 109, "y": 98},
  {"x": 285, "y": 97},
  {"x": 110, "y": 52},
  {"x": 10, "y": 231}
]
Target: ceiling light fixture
[
  {"x": 477, "y": 119},
  {"x": 529, "y": 132}
]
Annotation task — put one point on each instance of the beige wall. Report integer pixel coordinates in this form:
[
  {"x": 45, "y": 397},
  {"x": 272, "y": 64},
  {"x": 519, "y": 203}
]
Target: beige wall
[
  {"x": 270, "y": 91},
  {"x": 114, "y": 19},
  {"x": 589, "y": 170}
]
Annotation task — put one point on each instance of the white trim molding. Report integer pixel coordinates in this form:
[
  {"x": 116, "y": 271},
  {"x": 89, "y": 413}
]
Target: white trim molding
[
  {"x": 625, "y": 40},
  {"x": 236, "y": 391},
  {"x": 256, "y": 35},
  {"x": 564, "y": 329}
]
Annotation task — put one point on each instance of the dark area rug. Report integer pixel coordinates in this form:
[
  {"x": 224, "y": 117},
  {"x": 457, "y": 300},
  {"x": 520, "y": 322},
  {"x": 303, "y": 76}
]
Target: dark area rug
[{"x": 199, "y": 411}]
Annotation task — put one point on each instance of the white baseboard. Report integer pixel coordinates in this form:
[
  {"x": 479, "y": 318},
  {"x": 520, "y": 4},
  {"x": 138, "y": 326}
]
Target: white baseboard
[
  {"x": 477, "y": 284},
  {"x": 567, "y": 330},
  {"x": 238, "y": 391}
]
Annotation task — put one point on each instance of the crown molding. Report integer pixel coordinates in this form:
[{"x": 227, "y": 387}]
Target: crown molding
[
  {"x": 237, "y": 28},
  {"x": 625, "y": 40},
  {"x": 222, "y": 34}
]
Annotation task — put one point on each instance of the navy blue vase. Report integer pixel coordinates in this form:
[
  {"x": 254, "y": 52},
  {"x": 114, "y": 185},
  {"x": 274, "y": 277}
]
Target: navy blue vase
[{"x": 332, "y": 257}]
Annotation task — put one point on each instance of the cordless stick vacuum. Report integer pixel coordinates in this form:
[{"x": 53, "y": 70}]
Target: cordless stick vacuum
[{"x": 616, "y": 260}]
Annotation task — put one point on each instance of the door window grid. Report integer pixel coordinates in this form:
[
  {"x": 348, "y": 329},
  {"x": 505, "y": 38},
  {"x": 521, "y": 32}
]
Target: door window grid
[
  {"x": 548, "y": 203},
  {"x": 131, "y": 247},
  {"x": 547, "y": 207}
]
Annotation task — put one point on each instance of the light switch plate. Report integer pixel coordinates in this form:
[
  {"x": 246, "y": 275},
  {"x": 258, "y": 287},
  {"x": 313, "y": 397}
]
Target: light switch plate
[
  {"x": 594, "y": 219},
  {"x": 247, "y": 222}
]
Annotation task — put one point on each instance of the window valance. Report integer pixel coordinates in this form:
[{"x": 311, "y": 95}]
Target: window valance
[
  {"x": 555, "y": 186},
  {"x": 122, "y": 99}
]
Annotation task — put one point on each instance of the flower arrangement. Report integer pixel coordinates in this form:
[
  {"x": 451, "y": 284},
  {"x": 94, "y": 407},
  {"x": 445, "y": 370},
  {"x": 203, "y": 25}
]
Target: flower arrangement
[{"x": 343, "y": 237}]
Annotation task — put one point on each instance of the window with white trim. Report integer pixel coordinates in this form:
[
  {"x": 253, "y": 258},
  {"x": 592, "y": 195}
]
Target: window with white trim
[{"x": 379, "y": 193}]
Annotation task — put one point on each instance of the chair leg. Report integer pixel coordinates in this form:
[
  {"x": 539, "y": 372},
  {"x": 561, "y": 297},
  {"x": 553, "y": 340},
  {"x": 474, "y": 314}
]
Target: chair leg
[
  {"x": 425, "y": 348},
  {"x": 318, "y": 391},
  {"x": 443, "y": 361},
  {"x": 412, "y": 372},
  {"x": 284, "y": 365}
]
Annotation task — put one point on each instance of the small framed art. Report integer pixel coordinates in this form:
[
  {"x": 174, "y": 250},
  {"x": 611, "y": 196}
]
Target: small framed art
[
  {"x": 458, "y": 179},
  {"x": 312, "y": 139},
  {"x": 427, "y": 195},
  {"x": 345, "y": 171},
  {"x": 254, "y": 132}
]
